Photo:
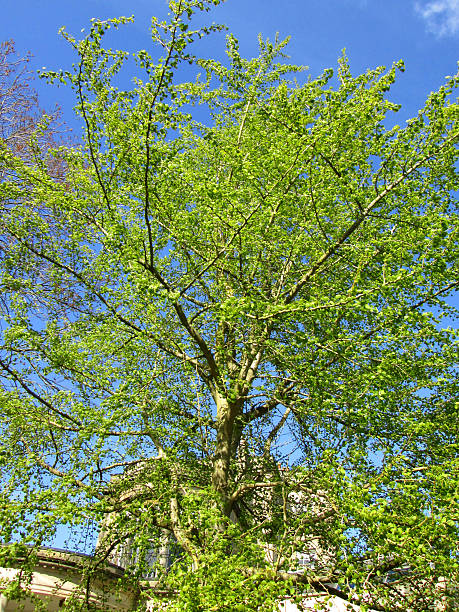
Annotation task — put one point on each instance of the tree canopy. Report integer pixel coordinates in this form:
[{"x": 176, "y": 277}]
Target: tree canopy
[{"x": 230, "y": 321}]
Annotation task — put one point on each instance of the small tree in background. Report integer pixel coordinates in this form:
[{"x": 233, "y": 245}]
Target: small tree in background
[
  {"x": 18, "y": 103},
  {"x": 245, "y": 319},
  {"x": 20, "y": 113}
]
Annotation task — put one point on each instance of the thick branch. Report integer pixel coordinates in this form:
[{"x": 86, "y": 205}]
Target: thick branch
[
  {"x": 38, "y": 397},
  {"x": 357, "y": 223}
]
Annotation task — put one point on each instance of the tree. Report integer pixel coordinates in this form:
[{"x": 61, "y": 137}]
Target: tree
[
  {"x": 20, "y": 113},
  {"x": 19, "y": 103},
  {"x": 234, "y": 331}
]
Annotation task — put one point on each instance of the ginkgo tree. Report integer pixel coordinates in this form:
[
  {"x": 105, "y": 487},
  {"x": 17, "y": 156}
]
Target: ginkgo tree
[{"x": 231, "y": 323}]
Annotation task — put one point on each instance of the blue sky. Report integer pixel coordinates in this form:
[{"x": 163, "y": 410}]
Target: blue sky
[{"x": 424, "y": 33}]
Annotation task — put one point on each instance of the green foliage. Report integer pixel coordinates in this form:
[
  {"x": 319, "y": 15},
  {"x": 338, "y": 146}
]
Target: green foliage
[{"x": 199, "y": 303}]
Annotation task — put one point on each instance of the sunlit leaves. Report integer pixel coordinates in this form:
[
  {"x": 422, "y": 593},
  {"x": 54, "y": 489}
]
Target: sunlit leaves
[{"x": 208, "y": 297}]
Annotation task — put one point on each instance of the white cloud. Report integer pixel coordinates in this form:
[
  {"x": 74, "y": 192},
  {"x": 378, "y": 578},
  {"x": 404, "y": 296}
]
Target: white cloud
[{"x": 441, "y": 16}]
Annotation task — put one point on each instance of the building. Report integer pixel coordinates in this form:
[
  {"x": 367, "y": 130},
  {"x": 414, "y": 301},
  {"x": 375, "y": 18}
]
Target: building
[{"x": 57, "y": 576}]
